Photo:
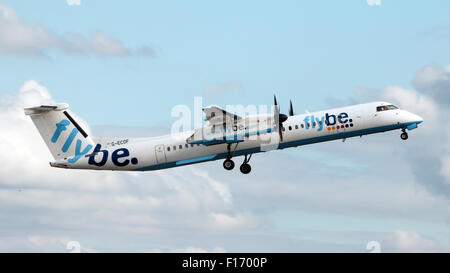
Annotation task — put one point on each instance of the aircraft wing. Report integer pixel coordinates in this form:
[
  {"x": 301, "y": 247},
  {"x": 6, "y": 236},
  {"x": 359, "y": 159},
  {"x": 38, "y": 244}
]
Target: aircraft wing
[{"x": 216, "y": 115}]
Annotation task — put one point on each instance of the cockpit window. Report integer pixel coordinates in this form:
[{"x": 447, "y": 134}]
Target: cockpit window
[
  {"x": 386, "y": 107},
  {"x": 392, "y": 107}
]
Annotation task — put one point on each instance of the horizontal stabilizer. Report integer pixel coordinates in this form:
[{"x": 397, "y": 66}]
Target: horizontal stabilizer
[{"x": 46, "y": 108}]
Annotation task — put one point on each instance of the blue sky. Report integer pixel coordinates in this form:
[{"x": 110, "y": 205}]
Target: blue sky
[
  {"x": 329, "y": 197},
  {"x": 304, "y": 50}
]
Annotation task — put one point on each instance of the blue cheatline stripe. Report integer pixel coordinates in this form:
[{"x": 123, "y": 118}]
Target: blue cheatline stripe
[
  {"x": 347, "y": 134},
  {"x": 195, "y": 159},
  {"x": 280, "y": 146}
]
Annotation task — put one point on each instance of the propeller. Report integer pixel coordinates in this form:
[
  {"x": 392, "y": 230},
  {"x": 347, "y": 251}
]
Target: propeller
[
  {"x": 279, "y": 118},
  {"x": 291, "y": 109}
]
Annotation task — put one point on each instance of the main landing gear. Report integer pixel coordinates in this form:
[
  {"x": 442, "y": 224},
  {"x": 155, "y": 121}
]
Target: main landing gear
[
  {"x": 245, "y": 167},
  {"x": 228, "y": 164},
  {"x": 404, "y": 135}
]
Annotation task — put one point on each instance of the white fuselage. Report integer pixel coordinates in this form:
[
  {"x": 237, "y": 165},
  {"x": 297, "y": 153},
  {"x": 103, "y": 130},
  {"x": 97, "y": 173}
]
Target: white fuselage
[{"x": 142, "y": 154}]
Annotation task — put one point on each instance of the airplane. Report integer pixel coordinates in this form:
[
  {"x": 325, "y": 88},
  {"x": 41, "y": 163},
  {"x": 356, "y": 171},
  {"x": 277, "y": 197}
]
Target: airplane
[{"x": 225, "y": 136}]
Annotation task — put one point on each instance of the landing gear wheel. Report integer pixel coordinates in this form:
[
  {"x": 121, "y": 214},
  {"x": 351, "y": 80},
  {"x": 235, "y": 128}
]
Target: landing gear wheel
[
  {"x": 404, "y": 136},
  {"x": 228, "y": 164},
  {"x": 245, "y": 168}
]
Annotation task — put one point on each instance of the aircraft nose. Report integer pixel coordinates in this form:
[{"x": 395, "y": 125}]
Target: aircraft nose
[
  {"x": 415, "y": 118},
  {"x": 419, "y": 119}
]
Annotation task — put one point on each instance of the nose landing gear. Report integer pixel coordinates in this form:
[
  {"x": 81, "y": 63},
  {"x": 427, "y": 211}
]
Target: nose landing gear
[{"x": 404, "y": 135}]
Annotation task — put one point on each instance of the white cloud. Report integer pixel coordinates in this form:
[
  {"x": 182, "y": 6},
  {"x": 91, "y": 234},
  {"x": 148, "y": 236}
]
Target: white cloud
[
  {"x": 48, "y": 242},
  {"x": 73, "y": 2},
  {"x": 41, "y": 243},
  {"x": 412, "y": 101},
  {"x": 373, "y": 2},
  {"x": 412, "y": 241},
  {"x": 434, "y": 80},
  {"x": 137, "y": 203},
  {"x": 192, "y": 249},
  {"x": 166, "y": 210},
  {"x": 223, "y": 221},
  {"x": 445, "y": 169},
  {"x": 20, "y": 138},
  {"x": 428, "y": 160},
  {"x": 98, "y": 43},
  {"x": 222, "y": 189},
  {"x": 18, "y": 37}
]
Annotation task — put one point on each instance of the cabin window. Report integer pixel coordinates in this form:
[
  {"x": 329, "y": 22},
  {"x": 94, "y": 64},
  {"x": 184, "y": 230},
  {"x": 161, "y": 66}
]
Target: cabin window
[
  {"x": 187, "y": 146},
  {"x": 290, "y": 128},
  {"x": 168, "y": 149},
  {"x": 314, "y": 124},
  {"x": 192, "y": 145},
  {"x": 174, "y": 148},
  {"x": 181, "y": 146},
  {"x": 301, "y": 125},
  {"x": 296, "y": 126},
  {"x": 320, "y": 122},
  {"x": 282, "y": 128}
]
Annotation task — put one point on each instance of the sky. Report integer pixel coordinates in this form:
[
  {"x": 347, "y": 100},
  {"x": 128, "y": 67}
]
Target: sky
[{"x": 123, "y": 66}]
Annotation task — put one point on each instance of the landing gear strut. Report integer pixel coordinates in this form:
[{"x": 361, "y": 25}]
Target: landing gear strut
[
  {"x": 228, "y": 164},
  {"x": 404, "y": 135},
  {"x": 245, "y": 167}
]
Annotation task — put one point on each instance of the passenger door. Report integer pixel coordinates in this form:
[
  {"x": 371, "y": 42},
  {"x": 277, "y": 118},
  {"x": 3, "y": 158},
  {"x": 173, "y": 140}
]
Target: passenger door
[{"x": 160, "y": 153}]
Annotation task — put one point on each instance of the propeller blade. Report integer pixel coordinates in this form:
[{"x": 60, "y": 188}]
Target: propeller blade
[
  {"x": 291, "y": 109},
  {"x": 279, "y": 118},
  {"x": 280, "y": 132}
]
